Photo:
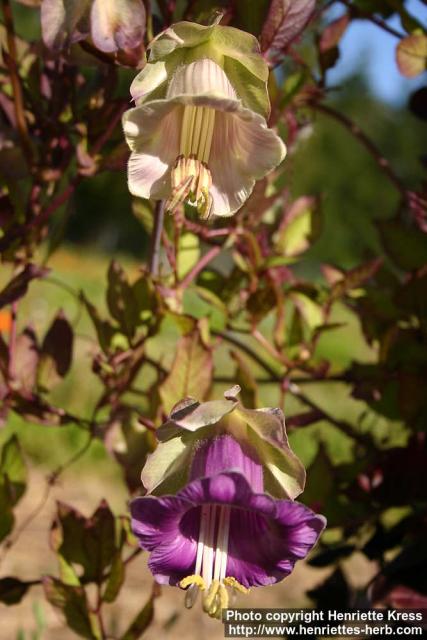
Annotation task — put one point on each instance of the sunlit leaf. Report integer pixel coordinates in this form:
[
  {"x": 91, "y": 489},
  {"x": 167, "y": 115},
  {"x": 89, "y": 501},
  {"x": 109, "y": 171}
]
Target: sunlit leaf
[
  {"x": 285, "y": 21},
  {"x": 191, "y": 372},
  {"x": 411, "y": 55},
  {"x": 73, "y": 603}
]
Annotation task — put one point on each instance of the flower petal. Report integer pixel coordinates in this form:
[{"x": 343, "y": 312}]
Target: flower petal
[
  {"x": 117, "y": 24},
  {"x": 266, "y": 537},
  {"x": 203, "y": 76},
  {"x": 152, "y": 133},
  {"x": 224, "y": 453},
  {"x": 252, "y": 150},
  {"x": 263, "y": 548},
  {"x": 169, "y": 528},
  {"x": 302, "y": 525}
]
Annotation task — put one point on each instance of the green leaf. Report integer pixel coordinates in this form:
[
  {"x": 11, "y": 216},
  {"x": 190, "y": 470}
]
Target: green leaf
[
  {"x": 141, "y": 622},
  {"x": 132, "y": 449},
  {"x": 67, "y": 573},
  {"x": 115, "y": 579},
  {"x": 89, "y": 542},
  {"x": 310, "y": 311},
  {"x": 406, "y": 246},
  {"x": 120, "y": 301},
  {"x": 245, "y": 379},
  {"x": 353, "y": 278},
  {"x": 191, "y": 372},
  {"x": 299, "y": 228},
  {"x": 188, "y": 253},
  {"x": 13, "y": 472},
  {"x": 103, "y": 328},
  {"x": 12, "y": 590},
  {"x": 72, "y": 602},
  {"x": 142, "y": 209}
]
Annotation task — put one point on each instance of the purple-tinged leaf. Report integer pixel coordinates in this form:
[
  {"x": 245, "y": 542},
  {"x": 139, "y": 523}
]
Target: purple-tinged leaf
[
  {"x": 56, "y": 352},
  {"x": 353, "y": 278},
  {"x": 25, "y": 361},
  {"x": 333, "y": 33},
  {"x": 34, "y": 409},
  {"x": 285, "y": 21},
  {"x": 411, "y": 55},
  {"x": 12, "y": 590},
  {"x": 18, "y": 286},
  {"x": 120, "y": 299}
]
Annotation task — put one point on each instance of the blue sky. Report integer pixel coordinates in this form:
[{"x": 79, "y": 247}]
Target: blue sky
[{"x": 366, "y": 45}]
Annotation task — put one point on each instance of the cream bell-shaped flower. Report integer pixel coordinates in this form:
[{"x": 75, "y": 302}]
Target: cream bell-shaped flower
[{"x": 199, "y": 144}]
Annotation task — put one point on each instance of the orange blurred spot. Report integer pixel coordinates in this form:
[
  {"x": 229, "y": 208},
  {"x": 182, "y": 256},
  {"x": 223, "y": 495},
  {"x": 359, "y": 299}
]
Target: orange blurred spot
[{"x": 5, "y": 321}]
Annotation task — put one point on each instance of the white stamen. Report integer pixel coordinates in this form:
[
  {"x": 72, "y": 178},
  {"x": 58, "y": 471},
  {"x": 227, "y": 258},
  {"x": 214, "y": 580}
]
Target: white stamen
[
  {"x": 222, "y": 544},
  {"x": 208, "y": 550},
  {"x": 204, "y": 522}
]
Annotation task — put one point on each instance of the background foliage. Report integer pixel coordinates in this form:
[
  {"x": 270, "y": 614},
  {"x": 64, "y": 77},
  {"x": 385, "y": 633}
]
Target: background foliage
[{"x": 313, "y": 298}]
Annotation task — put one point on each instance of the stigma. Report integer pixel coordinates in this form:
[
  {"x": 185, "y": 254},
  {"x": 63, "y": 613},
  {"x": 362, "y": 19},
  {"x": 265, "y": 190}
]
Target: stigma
[
  {"x": 210, "y": 575},
  {"x": 191, "y": 178}
]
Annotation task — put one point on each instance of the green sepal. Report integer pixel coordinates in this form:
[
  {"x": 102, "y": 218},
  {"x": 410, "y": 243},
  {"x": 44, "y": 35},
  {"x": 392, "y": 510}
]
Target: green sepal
[
  {"x": 167, "y": 469},
  {"x": 237, "y": 52}
]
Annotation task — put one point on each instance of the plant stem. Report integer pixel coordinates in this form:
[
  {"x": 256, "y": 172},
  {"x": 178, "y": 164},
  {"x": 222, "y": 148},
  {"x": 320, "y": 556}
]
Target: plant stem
[
  {"x": 194, "y": 272},
  {"x": 12, "y": 339},
  {"x": 343, "y": 426},
  {"x": 11, "y": 61},
  {"x": 159, "y": 216},
  {"x": 366, "y": 15}
]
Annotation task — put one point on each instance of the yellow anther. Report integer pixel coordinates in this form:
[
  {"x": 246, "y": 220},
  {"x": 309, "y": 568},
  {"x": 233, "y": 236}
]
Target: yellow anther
[
  {"x": 179, "y": 194},
  {"x": 232, "y": 582},
  {"x": 223, "y": 599},
  {"x": 190, "y": 580},
  {"x": 210, "y": 598}
]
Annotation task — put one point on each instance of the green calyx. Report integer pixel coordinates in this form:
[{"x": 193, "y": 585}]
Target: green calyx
[
  {"x": 235, "y": 51},
  {"x": 167, "y": 469}
]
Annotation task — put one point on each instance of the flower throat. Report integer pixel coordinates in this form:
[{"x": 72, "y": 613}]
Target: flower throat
[
  {"x": 191, "y": 178},
  {"x": 211, "y": 561}
]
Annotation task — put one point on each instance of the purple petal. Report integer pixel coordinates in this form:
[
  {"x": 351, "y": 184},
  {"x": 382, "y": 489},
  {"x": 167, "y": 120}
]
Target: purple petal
[
  {"x": 263, "y": 548},
  {"x": 169, "y": 528},
  {"x": 267, "y": 536},
  {"x": 224, "y": 453}
]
